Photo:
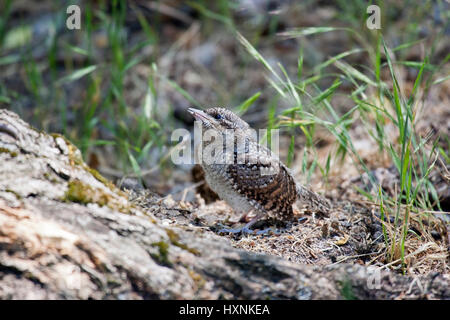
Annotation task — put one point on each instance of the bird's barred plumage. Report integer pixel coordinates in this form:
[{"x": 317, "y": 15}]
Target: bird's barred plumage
[{"x": 256, "y": 179}]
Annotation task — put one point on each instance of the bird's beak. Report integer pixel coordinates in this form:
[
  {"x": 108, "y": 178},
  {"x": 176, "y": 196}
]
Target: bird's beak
[{"x": 199, "y": 114}]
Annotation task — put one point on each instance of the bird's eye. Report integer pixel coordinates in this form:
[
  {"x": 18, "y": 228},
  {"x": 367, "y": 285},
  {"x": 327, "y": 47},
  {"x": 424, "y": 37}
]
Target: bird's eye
[{"x": 218, "y": 116}]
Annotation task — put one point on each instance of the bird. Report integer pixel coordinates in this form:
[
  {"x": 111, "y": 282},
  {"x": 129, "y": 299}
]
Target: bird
[{"x": 246, "y": 174}]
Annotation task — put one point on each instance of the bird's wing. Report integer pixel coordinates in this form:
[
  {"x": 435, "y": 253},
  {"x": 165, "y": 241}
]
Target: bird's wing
[{"x": 263, "y": 180}]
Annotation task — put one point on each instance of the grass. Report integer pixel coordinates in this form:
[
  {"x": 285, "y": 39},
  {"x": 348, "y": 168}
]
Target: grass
[
  {"x": 410, "y": 154},
  {"x": 413, "y": 156},
  {"x": 101, "y": 105},
  {"x": 104, "y": 119}
]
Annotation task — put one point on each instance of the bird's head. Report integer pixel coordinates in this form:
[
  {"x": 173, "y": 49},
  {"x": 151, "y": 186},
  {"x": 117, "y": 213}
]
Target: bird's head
[{"x": 219, "y": 119}]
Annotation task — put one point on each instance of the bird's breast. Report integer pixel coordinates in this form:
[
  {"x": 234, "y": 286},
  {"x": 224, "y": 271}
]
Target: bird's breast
[{"x": 215, "y": 176}]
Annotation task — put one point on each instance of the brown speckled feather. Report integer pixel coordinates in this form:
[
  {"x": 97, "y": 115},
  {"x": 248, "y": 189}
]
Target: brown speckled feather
[{"x": 264, "y": 181}]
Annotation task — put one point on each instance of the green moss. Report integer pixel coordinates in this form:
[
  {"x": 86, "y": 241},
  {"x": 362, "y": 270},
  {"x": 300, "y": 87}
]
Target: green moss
[
  {"x": 18, "y": 196},
  {"x": 102, "y": 179},
  {"x": 347, "y": 290},
  {"x": 11, "y": 153},
  {"x": 163, "y": 256},
  {"x": 80, "y": 192},
  {"x": 174, "y": 239},
  {"x": 76, "y": 159},
  {"x": 198, "y": 279},
  {"x": 83, "y": 193},
  {"x": 50, "y": 178}
]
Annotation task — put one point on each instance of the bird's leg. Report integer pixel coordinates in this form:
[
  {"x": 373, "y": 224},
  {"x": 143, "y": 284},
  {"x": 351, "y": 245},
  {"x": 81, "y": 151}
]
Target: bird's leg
[{"x": 246, "y": 227}]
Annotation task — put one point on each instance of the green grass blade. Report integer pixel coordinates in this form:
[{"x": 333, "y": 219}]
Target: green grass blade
[{"x": 243, "y": 107}]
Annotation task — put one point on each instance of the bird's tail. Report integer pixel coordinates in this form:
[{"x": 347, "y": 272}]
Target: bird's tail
[{"x": 313, "y": 200}]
